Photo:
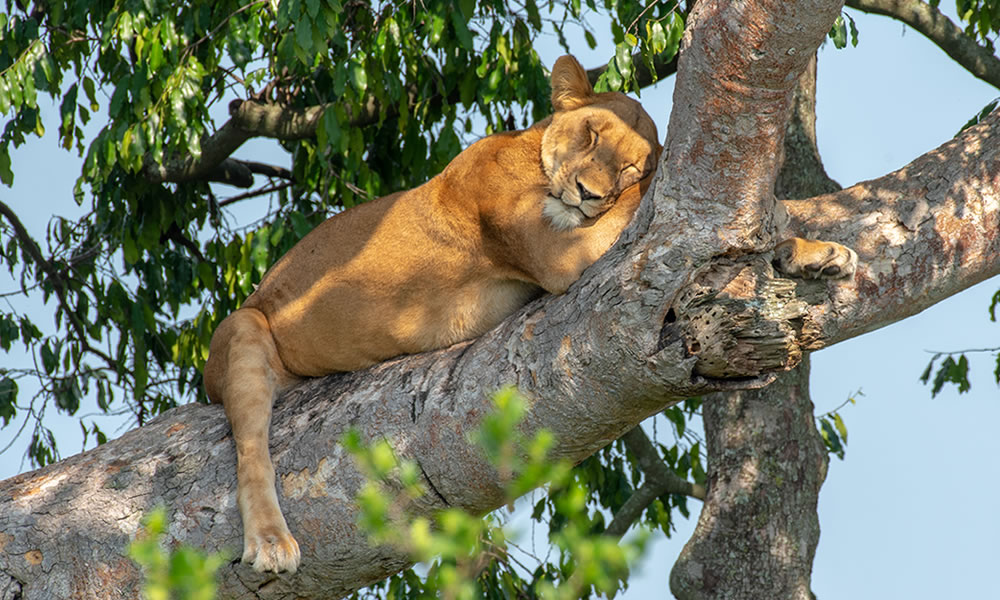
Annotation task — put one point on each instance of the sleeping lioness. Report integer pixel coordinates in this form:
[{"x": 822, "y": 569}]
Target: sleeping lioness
[{"x": 512, "y": 216}]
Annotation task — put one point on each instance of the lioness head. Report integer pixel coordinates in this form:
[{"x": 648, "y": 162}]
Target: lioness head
[{"x": 595, "y": 146}]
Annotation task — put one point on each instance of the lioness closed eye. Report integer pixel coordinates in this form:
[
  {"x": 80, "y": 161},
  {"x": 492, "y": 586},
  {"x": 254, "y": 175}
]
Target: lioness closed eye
[{"x": 513, "y": 215}]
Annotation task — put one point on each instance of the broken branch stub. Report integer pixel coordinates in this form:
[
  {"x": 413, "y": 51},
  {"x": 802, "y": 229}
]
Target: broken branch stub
[{"x": 741, "y": 321}]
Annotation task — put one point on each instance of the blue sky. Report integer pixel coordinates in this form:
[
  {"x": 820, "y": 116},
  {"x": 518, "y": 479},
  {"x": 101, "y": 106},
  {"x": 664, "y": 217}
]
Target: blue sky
[{"x": 911, "y": 512}]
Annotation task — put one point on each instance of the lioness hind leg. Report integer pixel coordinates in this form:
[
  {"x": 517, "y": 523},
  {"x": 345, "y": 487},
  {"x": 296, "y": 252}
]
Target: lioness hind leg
[
  {"x": 245, "y": 373},
  {"x": 814, "y": 259}
]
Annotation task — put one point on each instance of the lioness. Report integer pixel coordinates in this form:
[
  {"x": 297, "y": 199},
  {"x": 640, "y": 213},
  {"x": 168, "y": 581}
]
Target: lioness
[{"x": 513, "y": 215}]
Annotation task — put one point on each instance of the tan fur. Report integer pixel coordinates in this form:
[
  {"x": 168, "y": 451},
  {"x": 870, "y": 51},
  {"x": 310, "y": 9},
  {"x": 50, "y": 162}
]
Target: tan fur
[
  {"x": 814, "y": 259},
  {"x": 513, "y": 215}
]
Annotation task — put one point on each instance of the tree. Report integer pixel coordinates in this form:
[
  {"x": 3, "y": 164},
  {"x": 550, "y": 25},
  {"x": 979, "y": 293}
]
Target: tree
[{"x": 656, "y": 338}]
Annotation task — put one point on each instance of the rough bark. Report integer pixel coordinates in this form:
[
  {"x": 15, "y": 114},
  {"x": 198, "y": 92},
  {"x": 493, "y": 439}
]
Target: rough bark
[
  {"x": 766, "y": 460},
  {"x": 633, "y": 334},
  {"x": 757, "y": 533}
]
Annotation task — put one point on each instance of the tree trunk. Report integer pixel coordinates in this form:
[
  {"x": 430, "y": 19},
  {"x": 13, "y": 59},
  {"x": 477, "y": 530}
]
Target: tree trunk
[
  {"x": 766, "y": 460},
  {"x": 680, "y": 306},
  {"x": 757, "y": 533}
]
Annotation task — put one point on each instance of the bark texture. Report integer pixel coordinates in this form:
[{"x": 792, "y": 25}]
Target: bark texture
[
  {"x": 766, "y": 460},
  {"x": 637, "y": 331},
  {"x": 757, "y": 533}
]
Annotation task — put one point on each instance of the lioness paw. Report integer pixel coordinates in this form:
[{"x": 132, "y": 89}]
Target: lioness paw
[
  {"x": 814, "y": 259},
  {"x": 271, "y": 550}
]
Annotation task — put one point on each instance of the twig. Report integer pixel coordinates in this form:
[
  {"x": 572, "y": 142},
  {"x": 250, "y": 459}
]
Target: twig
[{"x": 262, "y": 191}]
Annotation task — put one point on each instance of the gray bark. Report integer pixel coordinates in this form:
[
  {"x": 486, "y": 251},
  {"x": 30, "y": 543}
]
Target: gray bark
[
  {"x": 637, "y": 332},
  {"x": 757, "y": 533},
  {"x": 766, "y": 460}
]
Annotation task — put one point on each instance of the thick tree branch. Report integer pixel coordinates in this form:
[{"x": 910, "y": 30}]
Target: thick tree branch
[
  {"x": 923, "y": 233},
  {"x": 939, "y": 29},
  {"x": 247, "y": 120}
]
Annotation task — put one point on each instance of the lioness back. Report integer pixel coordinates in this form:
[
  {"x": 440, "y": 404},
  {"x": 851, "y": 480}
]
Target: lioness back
[
  {"x": 450, "y": 259},
  {"x": 403, "y": 273}
]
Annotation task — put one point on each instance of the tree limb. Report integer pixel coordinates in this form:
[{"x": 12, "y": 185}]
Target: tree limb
[
  {"x": 55, "y": 278},
  {"x": 659, "y": 480},
  {"x": 946, "y": 199},
  {"x": 939, "y": 29}
]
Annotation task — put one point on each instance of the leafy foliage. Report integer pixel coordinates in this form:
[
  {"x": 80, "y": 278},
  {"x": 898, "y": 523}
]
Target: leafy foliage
[
  {"x": 949, "y": 371},
  {"x": 982, "y": 18},
  {"x": 468, "y": 557},
  {"x": 832, "y": 428},
  {"x": 838, "y": 33},
  {"x": 142, "y": 279},
  {"x": 975, "y": 120}
]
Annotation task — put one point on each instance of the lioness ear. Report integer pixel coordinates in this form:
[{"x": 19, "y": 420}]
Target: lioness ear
[{"x": 570, "y": 86}]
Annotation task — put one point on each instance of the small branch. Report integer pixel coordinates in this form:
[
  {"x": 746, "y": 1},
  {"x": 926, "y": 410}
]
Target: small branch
[
  {"x": 659, "y": 481},
  {"x": 267, "y": 170},
  {"x": 262, "y": 191},
  {"x": 966, "y": 351},
  {"x": 939, "y": 29},
  {"x": 53, "y": 276}
]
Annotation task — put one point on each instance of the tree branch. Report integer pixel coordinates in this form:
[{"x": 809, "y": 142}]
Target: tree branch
[
  {"x": 659, "y": 480},
  {"x": 250, "y": 119},
  {"x": 940, "y": 30},
  {"x": 922, "y": 233}
]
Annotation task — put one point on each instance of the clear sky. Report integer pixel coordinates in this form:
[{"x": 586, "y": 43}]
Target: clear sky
[{"x": 911, "y": 512}]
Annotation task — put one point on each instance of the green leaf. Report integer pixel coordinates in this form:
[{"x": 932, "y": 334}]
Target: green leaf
[
  {"x": 8, "y": 399},
  {"x": 830, "y": 438},
  {"x": 462, "y": 30},
  {"x": 359, "y": 78},
  {"x": 468, "y": 8},
  {"x": 50, "y": 359},
  {"x": 954, "y": 372},
  {"x": 926, "y": 375},
  {"x": 841, "y": 428},
  {"x": 838, "y": 33},
  {"x": 656, "y": 35},
  {"x": 535, "y": 18},
  {"x": 613, "y": 78},
  {"x": 6, "y": 175}
]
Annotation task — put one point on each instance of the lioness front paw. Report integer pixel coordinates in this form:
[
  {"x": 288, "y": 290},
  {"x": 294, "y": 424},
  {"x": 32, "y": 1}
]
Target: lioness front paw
[
  {"x": 271, "y": 549},
  {"x": 814, "y": 259}
]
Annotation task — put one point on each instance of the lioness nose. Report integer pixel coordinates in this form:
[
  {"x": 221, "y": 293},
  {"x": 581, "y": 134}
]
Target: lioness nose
[{"x": 585, "y": 194}]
